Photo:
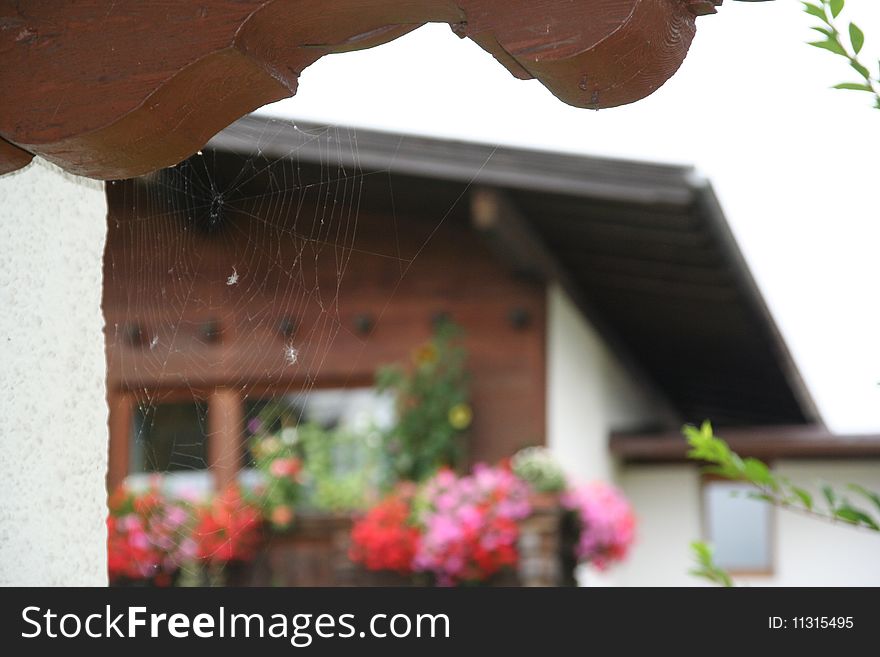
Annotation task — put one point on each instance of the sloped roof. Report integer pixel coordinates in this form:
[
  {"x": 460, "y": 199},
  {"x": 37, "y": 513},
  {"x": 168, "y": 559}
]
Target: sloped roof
[{"x": 646, "y": 246}]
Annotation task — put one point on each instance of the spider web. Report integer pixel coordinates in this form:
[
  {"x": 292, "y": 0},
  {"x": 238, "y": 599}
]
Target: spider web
[{"x": 224, "y": 286}]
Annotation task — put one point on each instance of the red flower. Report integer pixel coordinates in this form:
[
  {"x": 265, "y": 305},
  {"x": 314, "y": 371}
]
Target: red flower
[
  {"x": 228, "y": 529},
  {"x": 147, "y": 536},
  {"x": 383, "y": 539}
]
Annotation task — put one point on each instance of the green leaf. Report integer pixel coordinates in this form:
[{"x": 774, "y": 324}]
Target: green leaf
[
  {"x": 702, "y": 551},
  {"x": 853, "y": 86},
  {"x": 707, "y": 569},
  {"x": 824, "y": 31},
  {"x": 763, "y": 497},
  {"x": 815, "y": 10},
  {"x": 757, "y": 472},
  {"x": 871, "y": 495},
  {"x": 831, "y": 45},
  {"x": 862, "y": 70},
  {"x": 830, "y": 497},
  {"x": 805, "y": 498},
  {"x": 836, "y": 7},
  {"x": 856, "y": 37},
  {"x": 856, "y": 516},
  {"x": 724, "y": 471},
  {"x": 706, "y": 429}
]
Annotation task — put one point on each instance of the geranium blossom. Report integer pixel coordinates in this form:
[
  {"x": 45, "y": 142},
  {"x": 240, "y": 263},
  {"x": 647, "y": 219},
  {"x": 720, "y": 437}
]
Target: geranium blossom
[
  {"x": 471, "y": 524},
  {"x": 385, "y": 539},
  {"x": 148, "y": 536},
  {"x": 607, "y": 523},
  {"x": 228, "y": 529}
]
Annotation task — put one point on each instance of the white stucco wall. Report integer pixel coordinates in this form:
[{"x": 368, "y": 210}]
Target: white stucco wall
[
  {"x": 53, "y": 433},
  {"x": 588, "y": 393},
  {"x": 807, "y": 552}
]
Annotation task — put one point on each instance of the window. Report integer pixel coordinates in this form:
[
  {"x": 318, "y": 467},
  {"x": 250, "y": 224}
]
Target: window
[
  {"x": 178, "y": 438},
  {"x": 356, "y": 409},
  {"x": 169, "y": 437},
  {"x": 738, "y": 526},
  {"x": 331, "y": 408}
]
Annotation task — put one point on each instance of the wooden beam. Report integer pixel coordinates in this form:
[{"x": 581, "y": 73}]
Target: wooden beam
[
  {"x": 118, "y": 88},
  {"x": 225, "y": 434},
  {"x": 768, "y": 443},
  {"x": 121, "y": 415}
]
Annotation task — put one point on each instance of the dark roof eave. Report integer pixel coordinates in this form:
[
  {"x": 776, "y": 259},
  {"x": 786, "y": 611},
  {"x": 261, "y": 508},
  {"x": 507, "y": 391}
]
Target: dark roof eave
[
  {"x": 767, "y": 443},
  {"x": 708, "y": 201},
  {"x": 575, "y": 176},
  {"x": 604, "y": 179}
]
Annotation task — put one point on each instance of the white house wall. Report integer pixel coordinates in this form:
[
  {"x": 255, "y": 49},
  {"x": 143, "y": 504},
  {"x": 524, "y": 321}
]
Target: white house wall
[
  {"x": 588, "y": 393},
  {"x": 53, "y": 434},
  {"x": 807, "y": 552}
]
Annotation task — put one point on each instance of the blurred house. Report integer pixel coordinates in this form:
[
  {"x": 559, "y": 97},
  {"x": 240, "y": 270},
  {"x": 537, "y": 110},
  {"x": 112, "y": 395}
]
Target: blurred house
[{"x": 605, "y": 304}]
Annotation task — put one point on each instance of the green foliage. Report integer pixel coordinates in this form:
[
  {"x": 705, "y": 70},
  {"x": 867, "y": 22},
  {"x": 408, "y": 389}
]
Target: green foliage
[
  {"x": 276, "y": 456},
  {"x": 306, "y": 466},
  {"x": 706, "y": 567},
  {"x": 847, "y": 45},
  {"x": 433, "y": 412},
  {"x": 776, "y": 490},
  {"x": 341, "y": 467}
]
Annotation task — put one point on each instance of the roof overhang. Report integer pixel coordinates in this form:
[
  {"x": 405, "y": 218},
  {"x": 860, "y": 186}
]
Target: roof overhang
[
  {"x": 643, "y": 248},
  {"x": 766, "y": 443}
]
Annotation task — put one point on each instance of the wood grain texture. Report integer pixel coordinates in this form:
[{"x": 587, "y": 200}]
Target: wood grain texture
[
  {"x": 170, "y": 281},
  {"x": 116, "y": 88},
  {"x": 12, "y": 157}
]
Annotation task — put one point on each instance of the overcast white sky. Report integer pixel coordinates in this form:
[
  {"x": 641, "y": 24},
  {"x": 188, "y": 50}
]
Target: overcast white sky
[{"x": 794, "y": 164}]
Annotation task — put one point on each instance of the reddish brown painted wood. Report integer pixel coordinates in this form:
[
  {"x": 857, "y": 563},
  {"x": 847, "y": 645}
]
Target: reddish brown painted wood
[
  {"x": 116, "y": 88},
  {"x": 225, "y": 431},
  {"x": 170, "y": 282},
  {"x": 121, "y": 414},
  {"x": 12, "y": 157}
]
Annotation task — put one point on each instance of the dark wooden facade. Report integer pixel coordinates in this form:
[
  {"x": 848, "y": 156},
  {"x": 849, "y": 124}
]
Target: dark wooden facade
[{"x": 352, "y": 285}]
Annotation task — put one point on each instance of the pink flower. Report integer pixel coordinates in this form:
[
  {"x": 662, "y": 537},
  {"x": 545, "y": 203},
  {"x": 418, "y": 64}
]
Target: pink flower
[
  {"x": 470, "y": 529},
  {"x": 607, "y": 523},
  {"x": 285, "y": 467}
]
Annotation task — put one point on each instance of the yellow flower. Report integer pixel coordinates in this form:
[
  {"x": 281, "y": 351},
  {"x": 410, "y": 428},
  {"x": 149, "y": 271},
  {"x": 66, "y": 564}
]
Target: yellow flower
[
  {"x": 425, "y": 355},
  {"x": 271, "y": 445},
  {"x": 460, "y": 416}
]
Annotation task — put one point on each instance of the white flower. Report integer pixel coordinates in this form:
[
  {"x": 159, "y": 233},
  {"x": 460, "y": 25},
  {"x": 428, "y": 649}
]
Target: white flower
[{"x": 289, "y": 436}]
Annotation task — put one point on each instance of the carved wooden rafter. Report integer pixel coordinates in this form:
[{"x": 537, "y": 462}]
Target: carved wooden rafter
[{"x": 117, "y": 88}]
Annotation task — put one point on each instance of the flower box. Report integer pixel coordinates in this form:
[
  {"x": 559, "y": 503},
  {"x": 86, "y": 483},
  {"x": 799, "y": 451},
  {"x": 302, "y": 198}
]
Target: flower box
[{"x": 315, "y": 553}]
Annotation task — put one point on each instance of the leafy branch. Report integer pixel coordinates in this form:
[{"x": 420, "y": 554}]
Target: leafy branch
[
  {"x": 706, "y": 567},
  {"x": 777, "y": 490},
  {"x": 844, "y": 42}
]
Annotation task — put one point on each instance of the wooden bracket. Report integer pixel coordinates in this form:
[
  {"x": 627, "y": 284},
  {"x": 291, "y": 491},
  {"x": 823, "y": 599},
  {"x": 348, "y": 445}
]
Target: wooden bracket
[{"x": 118, "y": 88}]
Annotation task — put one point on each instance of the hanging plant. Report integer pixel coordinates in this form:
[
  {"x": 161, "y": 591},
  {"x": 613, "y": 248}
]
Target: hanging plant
[{"x": 433, "y": 409}]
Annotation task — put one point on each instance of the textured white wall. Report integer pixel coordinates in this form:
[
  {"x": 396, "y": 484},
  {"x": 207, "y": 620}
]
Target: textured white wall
[
  {"x": 53, "y": 433},
  {"x": 588, "y": 393},
  {"x": 807, "y": 552}
]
